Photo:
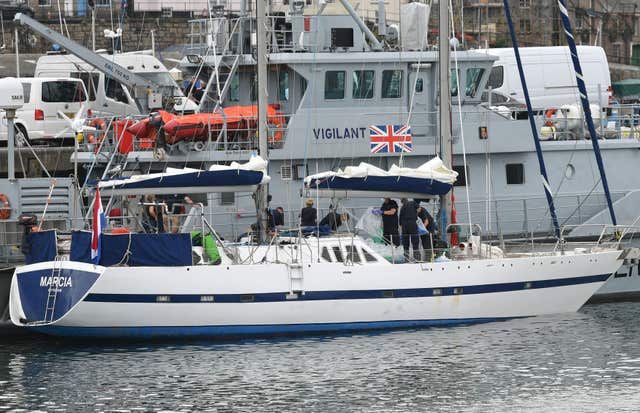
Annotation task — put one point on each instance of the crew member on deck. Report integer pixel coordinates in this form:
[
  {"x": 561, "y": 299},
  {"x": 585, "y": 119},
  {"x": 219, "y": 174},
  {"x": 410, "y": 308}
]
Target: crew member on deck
[
  {"x": 389, "y": 211},
  {"x": 333, "y": 220},
  {"x": 308, "y": 215},
  {"x": 409, "y": 226},
  {"x": 429, "y": 224}
]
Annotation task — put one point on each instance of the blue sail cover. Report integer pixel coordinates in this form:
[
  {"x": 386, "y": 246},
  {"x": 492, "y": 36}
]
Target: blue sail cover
[
  {"x": 42, "y": 247},
  {"x": 382, "y": 185},
  {"x": 218, "y": 178},
  {"x": 429, "y": 179}
]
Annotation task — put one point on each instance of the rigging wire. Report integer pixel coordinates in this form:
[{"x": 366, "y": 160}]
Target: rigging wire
[{"x": 461, "y": 128}]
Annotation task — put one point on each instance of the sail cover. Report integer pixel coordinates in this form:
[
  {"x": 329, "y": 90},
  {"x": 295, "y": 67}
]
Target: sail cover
[
  {"x": 218, "y": 178},
  {"x": 429, "y": 179}
]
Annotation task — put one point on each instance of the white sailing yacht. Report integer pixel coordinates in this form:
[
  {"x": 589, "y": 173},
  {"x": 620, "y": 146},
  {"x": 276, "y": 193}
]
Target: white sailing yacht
[{"x": 149, "y": 285}]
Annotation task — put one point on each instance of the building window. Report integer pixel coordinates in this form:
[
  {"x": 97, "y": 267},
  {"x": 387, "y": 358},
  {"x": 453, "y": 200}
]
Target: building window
[
  {"x": 44, "y": 3},
  {"x": 227, "y": 198},
  {"x": 334, "y": 84},
  {"x": 525, "y": 4},
  {"x": 104, "y": 3},
  {"x": 474, "y": 76},
  {"x": 515, "y": 174},
  {"x": 363, "y": 84},
  {"x": 283, "y": 86},
  {"x": 391, "y": 84},
  {"x": 462, "y": 177},
  {"x": 525, "y": 26}
]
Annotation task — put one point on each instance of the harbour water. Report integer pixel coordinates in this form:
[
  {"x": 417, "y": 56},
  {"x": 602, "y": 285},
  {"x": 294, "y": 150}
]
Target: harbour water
[{"x": 588, "y": 361}]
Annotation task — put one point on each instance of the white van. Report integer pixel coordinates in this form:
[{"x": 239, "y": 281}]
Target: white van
[
  {"x": 550, "y": 76},
  {"x": 108, "y": 97},
  {"x": 38, "y": 119}
]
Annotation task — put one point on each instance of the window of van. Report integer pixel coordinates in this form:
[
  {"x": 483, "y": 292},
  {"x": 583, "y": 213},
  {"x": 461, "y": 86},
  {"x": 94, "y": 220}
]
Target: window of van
[
  {"x": 27, "y": 92},
  {"x": 474, "y": 76},
  {"x": 114, "y": 90},
  {"x": 62, "y": 91},
  {"x": 90, "y": 81},
  {"x": 496, "y": 77}
]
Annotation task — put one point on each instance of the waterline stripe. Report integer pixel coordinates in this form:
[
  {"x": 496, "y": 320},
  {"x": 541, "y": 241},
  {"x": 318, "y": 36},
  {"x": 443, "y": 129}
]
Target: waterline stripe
[
  {"x": 343, "y": 295},
  {"x": 247, "y": 330}
]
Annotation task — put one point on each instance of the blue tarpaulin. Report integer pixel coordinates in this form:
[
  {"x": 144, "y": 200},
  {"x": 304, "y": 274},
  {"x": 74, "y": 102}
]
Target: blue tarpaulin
[
  {"x": 43, "y": 247},
  {"x": 136, "y": 250}
]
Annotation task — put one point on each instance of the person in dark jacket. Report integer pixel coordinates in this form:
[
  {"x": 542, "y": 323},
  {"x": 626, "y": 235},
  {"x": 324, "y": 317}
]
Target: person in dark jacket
[
  {"x": 389, "y": 212},
  {"x": 429, "y": 224},
  {"x": 409, "y": 226},
  {"x": 308, "y": 215}
]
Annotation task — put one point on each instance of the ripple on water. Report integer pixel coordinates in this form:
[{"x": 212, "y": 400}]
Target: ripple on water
[{"x": 586, "y": 361}]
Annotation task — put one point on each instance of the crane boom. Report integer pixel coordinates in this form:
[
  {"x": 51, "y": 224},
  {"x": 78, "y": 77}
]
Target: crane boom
[{"x": 108, "y": 67}]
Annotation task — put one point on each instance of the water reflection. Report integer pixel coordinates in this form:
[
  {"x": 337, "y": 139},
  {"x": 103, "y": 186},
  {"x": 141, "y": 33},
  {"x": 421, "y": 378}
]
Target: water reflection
[{"x": 588, "y": 361}]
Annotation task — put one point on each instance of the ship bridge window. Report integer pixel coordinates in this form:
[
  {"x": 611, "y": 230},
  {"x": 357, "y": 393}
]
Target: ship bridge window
[
  {"x": 283, "y": 86},
  {"x": 454, "y": 82},
  {"x": 334, "y": 84},
  {"x": 363, "y": 84},
  {"x": 391, "y": 84},
  {"x": 419, "y": 85},
  {"x": 515, "y": 174},
  {"x": 474, "y": 76},
  {"x": 496, "y": 77}
]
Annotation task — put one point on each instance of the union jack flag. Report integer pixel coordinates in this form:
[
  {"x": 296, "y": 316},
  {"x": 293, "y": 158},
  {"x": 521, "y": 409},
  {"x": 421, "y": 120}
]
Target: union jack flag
[{"x": 390, "y": 138}]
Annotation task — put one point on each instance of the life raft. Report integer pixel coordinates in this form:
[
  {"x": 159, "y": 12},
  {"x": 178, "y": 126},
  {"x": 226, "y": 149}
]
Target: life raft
[{"x": 5, "y": 207}]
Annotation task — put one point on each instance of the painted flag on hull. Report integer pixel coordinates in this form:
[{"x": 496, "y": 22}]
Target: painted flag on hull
[
  {"x": 390, "y": 138},
  {"x": 99, "y": 222}
]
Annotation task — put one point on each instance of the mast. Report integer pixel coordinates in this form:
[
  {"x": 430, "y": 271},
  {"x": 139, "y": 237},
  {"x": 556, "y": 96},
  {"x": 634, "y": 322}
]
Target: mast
[
  {"x": 263, "y": 148},
  {"x": 445, "y": 102},
  {"x": 562, "y": 4},
  {"x": 532, "y": 123}
]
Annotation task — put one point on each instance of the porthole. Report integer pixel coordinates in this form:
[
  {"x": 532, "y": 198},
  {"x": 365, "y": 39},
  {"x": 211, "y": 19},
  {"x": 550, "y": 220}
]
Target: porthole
[
  {"x": 206, "y": 298},
  {"x": 437, "y": 291},
  {"x": 247, "y": 298},
  {"x": 163, "y": 299},
  {"x": 457, "y": 290},
  {"x": 387, "y": 294},
  {"x": 569, "y": 171}
]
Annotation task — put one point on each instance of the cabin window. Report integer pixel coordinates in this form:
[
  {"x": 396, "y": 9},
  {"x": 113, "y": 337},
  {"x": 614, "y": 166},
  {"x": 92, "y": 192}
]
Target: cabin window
[
  {"x": 283, "y": 86},
  {"x": 338, "y": 253},
  {"x": 334, "y": 84},
  {"x": 496, "y": 77},
  {"x": 462, "y": 178},
  {"x": 419, "y": 85},
  {"x": 227, "y": 198},
  {"x": 325, "y": 254},
  {"x": 234, "y": 88},
  {"x": 454, "y": 82},
  {"x": 474, "y": 76},
  {"x": 352, "y": 253},
  {"x": 515, "y": 173},
  {"x": 363, "y": 84},
  {"x": 26, "y": 87},
  {"x": 368, "y": 257},
  {"x": 114, "y": 90},
  {"x": 391, "y": 84},
  {"x": 90, "y": 81},
  {"x": 62, "y": 91}
]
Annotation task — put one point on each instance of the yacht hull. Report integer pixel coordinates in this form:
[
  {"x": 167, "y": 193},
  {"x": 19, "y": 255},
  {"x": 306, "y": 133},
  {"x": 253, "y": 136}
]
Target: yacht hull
[{"x": 277, "y": 299}]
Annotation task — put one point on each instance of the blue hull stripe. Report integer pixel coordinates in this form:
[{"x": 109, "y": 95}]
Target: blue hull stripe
[
  {"x": 246, "y": 330},
  {"x": 343, "y": 295}
]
